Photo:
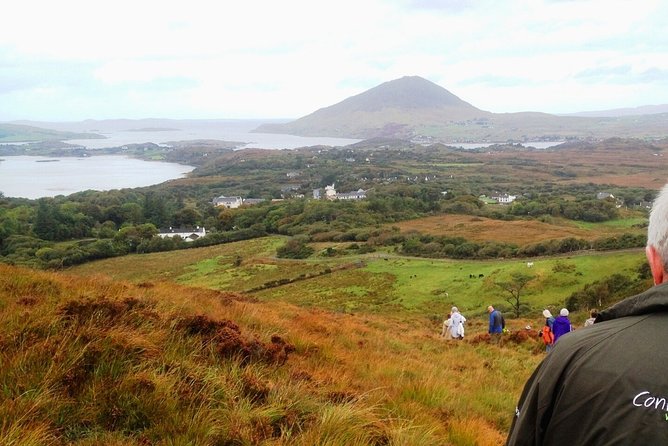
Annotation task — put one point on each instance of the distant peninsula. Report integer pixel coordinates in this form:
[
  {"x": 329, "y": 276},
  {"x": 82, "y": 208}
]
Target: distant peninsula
[{"x": 26, "y": 133}]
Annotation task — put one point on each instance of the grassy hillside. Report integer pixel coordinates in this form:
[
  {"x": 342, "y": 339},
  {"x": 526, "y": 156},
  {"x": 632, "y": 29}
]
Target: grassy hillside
[
  {"x": 93, "y": 361},
  {"x": 229, "y": 345},
  {"x": 381, "y": 283}
]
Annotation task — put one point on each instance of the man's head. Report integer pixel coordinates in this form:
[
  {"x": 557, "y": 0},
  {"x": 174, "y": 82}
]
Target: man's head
[
  {"x": 657, "y": 237},
  {"x": 490, "y": 309}
]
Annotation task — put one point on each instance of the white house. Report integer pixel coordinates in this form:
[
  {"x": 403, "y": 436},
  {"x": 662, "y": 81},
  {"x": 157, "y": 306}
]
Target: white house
[
  {"x": 330, "y": 192},
  {"x": 359, "y": 195},
  {"x": 186, "y": 234},
  {"x": 504, "y": 198},
  {"x": 228, "y": 202}
]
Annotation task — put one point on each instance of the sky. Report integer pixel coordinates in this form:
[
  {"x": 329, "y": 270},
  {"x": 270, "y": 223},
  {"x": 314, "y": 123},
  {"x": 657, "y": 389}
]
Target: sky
[{"x": 69, "y": 60}]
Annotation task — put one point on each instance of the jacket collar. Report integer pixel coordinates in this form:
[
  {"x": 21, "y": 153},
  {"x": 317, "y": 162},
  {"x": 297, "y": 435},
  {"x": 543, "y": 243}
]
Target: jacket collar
[{"x": 653, "y": 300}]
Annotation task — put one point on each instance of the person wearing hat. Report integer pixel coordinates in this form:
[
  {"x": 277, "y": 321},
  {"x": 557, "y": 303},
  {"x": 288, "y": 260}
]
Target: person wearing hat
[
  {"x": 457, "y": 325},
  {"x": 607, "y": 384},
  {"x": 561, "y": 325},
  {"x": 547, "y": 333}
]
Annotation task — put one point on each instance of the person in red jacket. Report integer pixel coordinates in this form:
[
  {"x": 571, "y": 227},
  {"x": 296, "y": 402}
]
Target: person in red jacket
[
  {"x": 607, "y": 384},
  {"x": 547, "y": 333}
]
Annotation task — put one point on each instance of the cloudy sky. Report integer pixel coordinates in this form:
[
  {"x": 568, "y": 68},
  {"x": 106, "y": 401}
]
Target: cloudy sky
[{"x": 76, "y": 59}]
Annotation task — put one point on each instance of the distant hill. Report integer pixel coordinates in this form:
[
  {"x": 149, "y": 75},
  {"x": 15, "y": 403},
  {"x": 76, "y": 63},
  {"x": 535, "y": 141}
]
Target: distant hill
[
  {"x": 27, "y": 133},
  {"x": 391, "y": 109},
  {"x": 414, "y": 108},
  {"x": 630, "y": 111}
]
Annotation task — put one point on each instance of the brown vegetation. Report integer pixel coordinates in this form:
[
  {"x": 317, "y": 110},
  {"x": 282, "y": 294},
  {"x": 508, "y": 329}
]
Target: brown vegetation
[
  {"x": 91, "y": 361},
  {"x": 480, "y": 229}
]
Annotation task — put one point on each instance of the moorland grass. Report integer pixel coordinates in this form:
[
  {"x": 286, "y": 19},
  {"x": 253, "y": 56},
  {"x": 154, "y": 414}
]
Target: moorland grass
[
  {"x": 522, "y": 232},
  {"x": 368, "y": 366},
  {"x": 95, "y": 361}
]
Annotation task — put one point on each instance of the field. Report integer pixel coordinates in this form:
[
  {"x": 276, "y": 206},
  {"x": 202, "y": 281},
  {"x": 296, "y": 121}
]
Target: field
[
  {"x": 378, "y": 283},
  {"x": 519, "y": 232}
]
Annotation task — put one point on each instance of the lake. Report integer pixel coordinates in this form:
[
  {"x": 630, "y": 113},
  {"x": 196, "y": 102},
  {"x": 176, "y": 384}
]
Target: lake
[
  {"x": 36, "y": 176},
  {"x": 162, "y": 131}
]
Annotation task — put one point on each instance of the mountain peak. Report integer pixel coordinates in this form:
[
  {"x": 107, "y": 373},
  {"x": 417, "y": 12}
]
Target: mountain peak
[
  {"x": 391, "y": 109},
  {"x": 407, "y": 92}
]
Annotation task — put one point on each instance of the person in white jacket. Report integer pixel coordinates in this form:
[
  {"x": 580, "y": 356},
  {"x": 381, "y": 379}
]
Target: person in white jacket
[{"x": 457, "y": 324}]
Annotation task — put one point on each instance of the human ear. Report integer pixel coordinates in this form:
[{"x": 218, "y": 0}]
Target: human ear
[{"x": 656, "y": 265}]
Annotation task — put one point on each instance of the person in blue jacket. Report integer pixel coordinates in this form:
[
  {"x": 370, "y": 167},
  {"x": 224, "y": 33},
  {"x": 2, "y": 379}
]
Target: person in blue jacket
[{"x": 496, "y": 324}]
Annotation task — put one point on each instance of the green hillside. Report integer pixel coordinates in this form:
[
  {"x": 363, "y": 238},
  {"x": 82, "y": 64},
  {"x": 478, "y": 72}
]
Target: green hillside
[{"x": 377, "y": 283}]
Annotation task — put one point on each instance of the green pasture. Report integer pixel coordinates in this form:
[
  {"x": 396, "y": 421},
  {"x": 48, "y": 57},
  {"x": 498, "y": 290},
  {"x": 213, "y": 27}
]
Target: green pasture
[
  {"x": 212, "y": 266},
  {"x": 436, "y": 285},
  {"x": 378, "y": 283},
  {"x": 393, "y": 284}
]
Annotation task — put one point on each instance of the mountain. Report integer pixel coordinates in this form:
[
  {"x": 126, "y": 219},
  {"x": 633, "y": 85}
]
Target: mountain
[
  {"x": 414, "y": 108},
  {"x": 391, "y": 109}
]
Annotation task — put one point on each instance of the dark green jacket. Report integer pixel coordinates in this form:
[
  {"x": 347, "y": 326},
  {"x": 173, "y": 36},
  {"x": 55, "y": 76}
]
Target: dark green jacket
[{"x": 603, "y": 385}]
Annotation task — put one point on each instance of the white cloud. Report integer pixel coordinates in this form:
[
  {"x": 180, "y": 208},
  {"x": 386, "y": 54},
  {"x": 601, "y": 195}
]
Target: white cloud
[{"x": 286, "y": 59}]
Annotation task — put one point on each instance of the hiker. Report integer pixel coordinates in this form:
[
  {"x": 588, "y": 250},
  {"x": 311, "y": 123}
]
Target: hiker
[
  {"x": 592, "y": 317},
  {"x": 457, "y": 326},
  {"x": 547, "y": 333},
  {"x": 496, "y": 324},
  {"x": 561, "y": 325},
  {"x": 607, "y": 384}
]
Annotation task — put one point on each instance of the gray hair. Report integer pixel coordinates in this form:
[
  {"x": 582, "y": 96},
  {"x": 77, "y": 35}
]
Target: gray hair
[{"x": 657, "y": 231}]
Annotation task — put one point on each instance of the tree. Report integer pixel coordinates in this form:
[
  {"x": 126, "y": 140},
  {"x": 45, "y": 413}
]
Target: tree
[
  {"x": 45, "y": 220},
  {"x": 514, "y": 287},
  {"x": 294, "y": 248},
  {"x": 130, "y": 237}
]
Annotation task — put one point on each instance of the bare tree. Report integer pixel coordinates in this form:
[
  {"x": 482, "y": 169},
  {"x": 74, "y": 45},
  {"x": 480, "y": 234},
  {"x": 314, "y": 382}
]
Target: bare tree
[{"x": 518, "y": 281}]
